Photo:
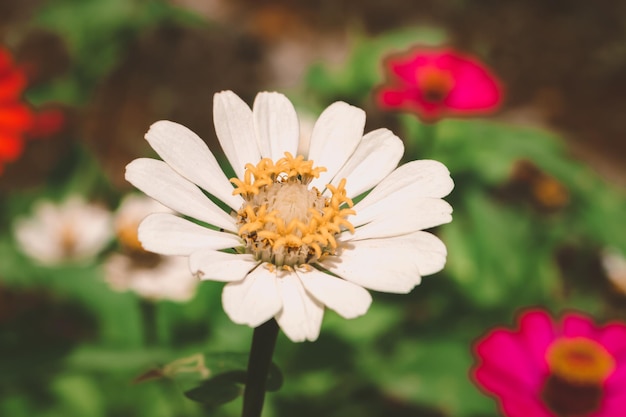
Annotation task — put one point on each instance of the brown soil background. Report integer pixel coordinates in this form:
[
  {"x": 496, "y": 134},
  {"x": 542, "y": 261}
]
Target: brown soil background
[{"x": 563, "y": 62}]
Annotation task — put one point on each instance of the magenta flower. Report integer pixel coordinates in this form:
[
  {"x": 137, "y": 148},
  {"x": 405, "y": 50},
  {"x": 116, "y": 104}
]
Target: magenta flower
[
  {"x": 434, "y": 83},
  {"x": 548, "y": 368}
]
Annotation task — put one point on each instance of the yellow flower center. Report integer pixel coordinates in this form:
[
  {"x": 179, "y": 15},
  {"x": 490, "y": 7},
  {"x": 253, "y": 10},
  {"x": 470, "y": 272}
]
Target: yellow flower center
[
  {"x": 128, "y": 236},
  {"x": 68, "y": 241},
  {"x": 282, "y": 221},
  {"x": 578, "y": 369},
  {"x": 580, "y": 360},
  {"x": 126, "y": 230},
  {"x": 435, "y": 83}
]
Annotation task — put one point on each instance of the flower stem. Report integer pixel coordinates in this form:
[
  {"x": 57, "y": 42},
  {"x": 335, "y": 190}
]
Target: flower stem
[
  {"x": 263, "y": 342},
  {"x": 148, "y": 315},
  {"x": 429, "y": 136}
]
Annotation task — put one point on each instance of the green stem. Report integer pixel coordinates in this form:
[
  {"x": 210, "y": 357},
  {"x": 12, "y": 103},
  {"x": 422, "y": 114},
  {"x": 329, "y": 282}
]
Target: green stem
[
  {"x": 263, "y": 342},
  {"x": 149, "y": 319},
  {"x": 429, "y": 136}
]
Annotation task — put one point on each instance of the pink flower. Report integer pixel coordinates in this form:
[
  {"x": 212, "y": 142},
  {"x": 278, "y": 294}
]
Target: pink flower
[
  {"x": 434, "y": 83},
  {"x": 548, "y": 368}
]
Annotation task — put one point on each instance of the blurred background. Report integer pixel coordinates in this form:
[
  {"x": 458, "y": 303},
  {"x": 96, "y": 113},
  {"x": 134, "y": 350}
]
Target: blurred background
[{"x": 538, "y": 203}]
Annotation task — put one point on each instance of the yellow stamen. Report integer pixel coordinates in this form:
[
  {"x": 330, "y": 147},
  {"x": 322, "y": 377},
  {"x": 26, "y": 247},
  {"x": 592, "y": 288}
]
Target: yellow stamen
[
  {"x": 282, "y": 221},
  {"x": 435, "y": 83},
  {"x": 69, "y": 241},
  {"x": 580, "y": 360},
  {"x": 128, "y": 236}
]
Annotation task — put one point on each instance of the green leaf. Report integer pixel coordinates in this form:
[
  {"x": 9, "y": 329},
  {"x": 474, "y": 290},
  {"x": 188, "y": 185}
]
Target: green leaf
[
  {"x": 218, "y": 390},
  {"x": 429, "y": 371},
  {"x": 496, "y": 254},
  {"x": 228, "y": 372}
]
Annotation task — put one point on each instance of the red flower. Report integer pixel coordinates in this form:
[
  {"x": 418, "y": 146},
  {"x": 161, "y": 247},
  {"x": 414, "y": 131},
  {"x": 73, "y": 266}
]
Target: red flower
[
  {"x": 548, "y": 368},
  {"x": 17, "y": 120},
  {"x": 439, "y": 82}
]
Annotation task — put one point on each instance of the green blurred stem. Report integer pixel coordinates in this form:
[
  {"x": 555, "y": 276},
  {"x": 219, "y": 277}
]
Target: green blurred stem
[
  {"x": 428, "y": 132},
  {"x": 149, "y": 319},
  {"x": 263, "y": 342}
]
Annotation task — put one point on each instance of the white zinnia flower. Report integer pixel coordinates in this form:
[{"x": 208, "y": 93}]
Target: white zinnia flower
[
  {"x": 294, "y": 243},
  {"x": 147, "y": 274},
  {"x": 614, "y": 265},
  {"x": 72, "y": 231}
]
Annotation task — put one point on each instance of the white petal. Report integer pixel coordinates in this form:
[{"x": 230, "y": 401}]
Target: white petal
[
  {"x": 170, "y": 279},
  {"x": 235, "y": 130},
  {"x": 301, "y": 315},
  {"x": 37, "y": 241},
  {"x": 335, "y": 136},
  {"x": 159, "y": 181},
  {"x": 347, "y": 299},
  {"x": 219, "y": 266},
  {"x": 391, "y": 264},
  {"x": 94, "y": 229},
  {"x": 399, "y": 217},
  {"x": 431, "y": 252},
  {"x": 424, "y": 178},
  {"x": 168, "y": 234},
  {"x": 376, "y": 156},
  {"x": 276, "y": 124},
  {"x": 254, "y": 300},
  {"x": 184, "y": 151},
  {"x": 306, "y": 129}
]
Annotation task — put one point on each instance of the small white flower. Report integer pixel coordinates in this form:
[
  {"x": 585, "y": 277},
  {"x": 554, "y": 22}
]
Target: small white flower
[
  {"x": 149, "y": 275},
  {"x": 168, "y": 279},
  {"x": 614, "y": 265},
  {"x": 294, "y": 242},
  {"x": 72, "y": 231}
]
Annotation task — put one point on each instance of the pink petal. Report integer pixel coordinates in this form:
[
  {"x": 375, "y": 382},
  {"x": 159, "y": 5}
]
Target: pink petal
[
  {"x": 515, "y": 401},
  {"x": 513, "y": 366},
  {"x": 406, "y": 69},
  {"x": 501, "y": 382},
  {"x": 408, "y": 98},
  {"x": 537, "y": 332},
  {"x": 576, "y": 325},
  {"x": 613, "y": 405},
  {"x": 618, "y": 377},
  {"x": 526, "y": 407},
  {"x": 504, "y": 352},
  {"x": 474, "y": 89},
  {"x": 613, "y": 338}
]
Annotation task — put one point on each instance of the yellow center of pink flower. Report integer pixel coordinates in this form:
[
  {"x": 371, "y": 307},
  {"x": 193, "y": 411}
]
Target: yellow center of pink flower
[
  {"x": 578, "y": 369},
  {"x": 434, "y": 83},
  {"x": 580, "y": 360},
  {"x": 283, "y": 221}
]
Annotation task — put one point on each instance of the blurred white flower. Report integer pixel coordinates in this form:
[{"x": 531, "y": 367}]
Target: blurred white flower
[
  {"x": 147, "y": 274},
  {"x": 72, "y": 231},
  {"x": 295, "y": 242},
  {"x": 614, "y": 265}
]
